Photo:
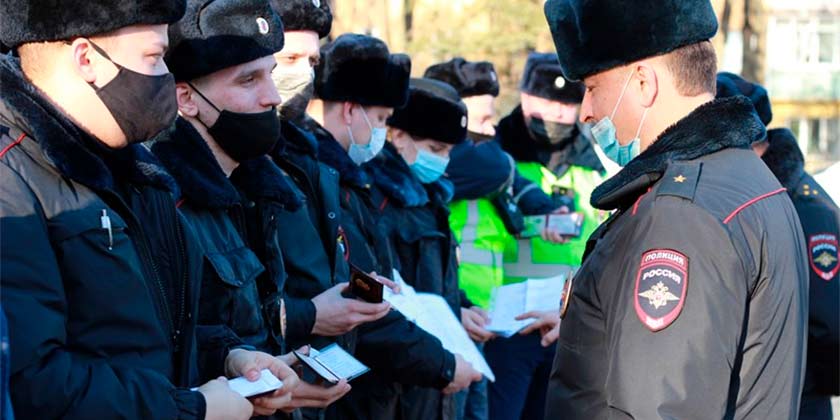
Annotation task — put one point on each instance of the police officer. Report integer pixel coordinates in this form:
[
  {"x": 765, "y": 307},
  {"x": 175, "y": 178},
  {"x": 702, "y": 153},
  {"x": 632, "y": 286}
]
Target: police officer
[
  {"x": 691, "y": 299},
  {"x": 100, "y": 276},
  {"x": 220, "y": 125},
  {"x": 355, "y": 109},
  {"x": 413, "y": 200},
  {"x": 819, "y": 217}
]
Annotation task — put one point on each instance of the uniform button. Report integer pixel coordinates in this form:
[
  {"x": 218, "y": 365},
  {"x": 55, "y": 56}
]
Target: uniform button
[
  {"x": 251, "y": 204},
  {"x": 332, "y": 171},
  {"x": 331, "y": 215}
]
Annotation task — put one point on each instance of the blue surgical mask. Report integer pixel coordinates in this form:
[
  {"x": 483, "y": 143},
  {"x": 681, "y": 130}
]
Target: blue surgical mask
[
  {"x": 429, "y": 167},
  {"x": 604, "y": 133},
  {"x": 361, "y": 154}
]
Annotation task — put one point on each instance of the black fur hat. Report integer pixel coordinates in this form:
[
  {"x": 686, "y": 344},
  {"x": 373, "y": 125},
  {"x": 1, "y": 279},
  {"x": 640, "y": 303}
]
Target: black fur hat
[
  {"x": 360, "y": 69},
  {"x": 729, "y": 84},
  {"x": 305, "y": 15},
  {"x": 23, "y": 21},
  {"x": 469, "y": 78},
  {"x": 592, "y": 36},
  {"x": 217, "y": 34},
  {"x": 543, "y": 77},
  {"x": 434, "y": 111}
]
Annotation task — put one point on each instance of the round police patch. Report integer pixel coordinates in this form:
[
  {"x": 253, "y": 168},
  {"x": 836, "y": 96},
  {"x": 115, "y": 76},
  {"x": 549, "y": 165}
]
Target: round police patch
[
  {"x": 822, "y": 250},
  {"x": 660, "y": 289},
  {"x": 262, "y": 25}
]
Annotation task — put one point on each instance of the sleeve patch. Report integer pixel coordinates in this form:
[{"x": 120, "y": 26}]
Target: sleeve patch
[
  {"x": 822, "y": 251},
  {"x": 661, "y": 286}
]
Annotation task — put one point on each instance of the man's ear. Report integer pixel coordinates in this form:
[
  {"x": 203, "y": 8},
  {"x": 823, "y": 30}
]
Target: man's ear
[
  {"x": 648, "y": 84},
  {"x": 347, "y": 112},
  {"x": 187, "y": 105},
  {"x": 83, "y": 59}
]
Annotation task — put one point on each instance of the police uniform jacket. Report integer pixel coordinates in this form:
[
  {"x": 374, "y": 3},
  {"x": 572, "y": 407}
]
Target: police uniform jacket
[{"x": 691, "y": 302}]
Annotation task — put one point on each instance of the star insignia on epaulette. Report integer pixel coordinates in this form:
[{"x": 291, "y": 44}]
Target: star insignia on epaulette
[{"x": 679, "y": 179}]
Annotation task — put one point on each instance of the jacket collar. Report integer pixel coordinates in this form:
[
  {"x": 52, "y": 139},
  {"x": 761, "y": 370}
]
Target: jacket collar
[
  {"x": 784, "y": 158},
  {"x": 189, "y": 159},
  {"x": 262, "y": 178},
  {"x": 333, "y": 155},
  {"x": 392, "y": 175},
  {"x": 704, "y": 131},
  {"x": 515, "y": 139},
  {"x": 295, "y": 139},
  {"x": 65, "y": 145}
]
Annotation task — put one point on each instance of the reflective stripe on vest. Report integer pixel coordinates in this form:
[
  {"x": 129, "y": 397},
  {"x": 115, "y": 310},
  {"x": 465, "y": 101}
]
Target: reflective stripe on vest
[
  {"x": 469, "y": 253},
  {"x": 523, "y": 267}
]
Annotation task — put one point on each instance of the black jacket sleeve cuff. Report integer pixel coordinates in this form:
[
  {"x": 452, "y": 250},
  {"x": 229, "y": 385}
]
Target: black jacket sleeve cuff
[
  {"x": 447, "y": 371},
  {"x": 300, "y": 319},
  {"x": 191, "y": 404}
]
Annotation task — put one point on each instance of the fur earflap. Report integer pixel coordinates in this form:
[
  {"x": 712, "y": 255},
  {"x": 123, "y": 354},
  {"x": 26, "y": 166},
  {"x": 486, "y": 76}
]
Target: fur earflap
[
  {"x": 360, "y": 69},
  {"x": 592, "y": 36},
  {"x": 469, "y": 78},
  {"x": 23, "y": 21}
]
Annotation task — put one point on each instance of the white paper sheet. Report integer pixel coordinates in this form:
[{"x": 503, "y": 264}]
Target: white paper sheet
[
  {"x": 267, "y": 383},
  {"x": 431, "y": 313},
  {"x": 512, "y": 300}
]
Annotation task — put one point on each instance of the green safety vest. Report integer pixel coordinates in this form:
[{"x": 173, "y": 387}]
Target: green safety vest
[
  {"x": 482, "y": 237},
  {"x": 536, "y": 258}
]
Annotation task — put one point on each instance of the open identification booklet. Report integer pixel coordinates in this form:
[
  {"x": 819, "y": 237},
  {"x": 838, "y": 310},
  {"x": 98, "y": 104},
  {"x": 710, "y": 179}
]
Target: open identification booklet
[
  {"x": 431, "y": 313},
  {"x": 509, "y": 301}
]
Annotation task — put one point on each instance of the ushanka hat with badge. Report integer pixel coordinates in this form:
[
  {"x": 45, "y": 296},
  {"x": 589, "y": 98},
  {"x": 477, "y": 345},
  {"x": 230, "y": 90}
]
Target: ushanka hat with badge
[
  {"x": 469, "y": 78},
  {"x": 434, "y": 111},
  {"x": 217, "y": 34},
  {"x": 305, "y": 15},
  {"x": 592, "y": 36},
  {"x": 543, "y": 77},
  {"x": 23, "y": 21},
  {"x": 360, "y": 69}
]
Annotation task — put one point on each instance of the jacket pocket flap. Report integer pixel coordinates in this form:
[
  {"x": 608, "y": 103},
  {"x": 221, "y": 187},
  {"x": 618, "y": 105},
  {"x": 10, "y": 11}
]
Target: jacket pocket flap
[
  {"x": 236, "y": 267},
  {"x": 74, "y": 222}
]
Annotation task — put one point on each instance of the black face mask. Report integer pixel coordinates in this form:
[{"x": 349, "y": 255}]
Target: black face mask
[
  {"x": 244, "y": 136},
  {"x": 142, "y": 105},
  {"x": 551, "y": 133}
]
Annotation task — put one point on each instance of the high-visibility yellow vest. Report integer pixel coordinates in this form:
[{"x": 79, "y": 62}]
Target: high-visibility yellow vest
[
  {"x": 482, "y": 237},
  {"x": 536, "y": 258}
]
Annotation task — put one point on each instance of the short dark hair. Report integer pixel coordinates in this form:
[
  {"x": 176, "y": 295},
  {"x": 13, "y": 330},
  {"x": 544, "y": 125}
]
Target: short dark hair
[{"x": 694, "y": 67}]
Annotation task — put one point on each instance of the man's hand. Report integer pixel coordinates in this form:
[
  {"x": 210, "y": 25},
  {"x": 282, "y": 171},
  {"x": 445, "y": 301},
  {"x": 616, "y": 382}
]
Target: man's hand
[
  {"x": 249, "y": 364},
  {"x": 552, "y": 236},
  {"x": 336, "y": 315},
  {"x": 223, "y": 403},
  {"x": 546, "y": 322},
  {"x": 474, "y": 319},
  {"x": 464, "y": 376}
]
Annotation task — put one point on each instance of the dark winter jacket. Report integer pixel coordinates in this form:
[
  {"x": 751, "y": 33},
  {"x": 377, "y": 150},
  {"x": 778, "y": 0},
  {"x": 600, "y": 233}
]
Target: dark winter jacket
[
  {"x": 101, "y": 320},
  {"x": 691, "y": 302},
  {"x": 577, "y": 150},
  {"x": 310, "y": 237},
  {"x": 230, "y": 294},
  {"x": 398, "y": 352},
  {"x": 820, "y": 220},
  {"x": 415, "y": 219}
]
